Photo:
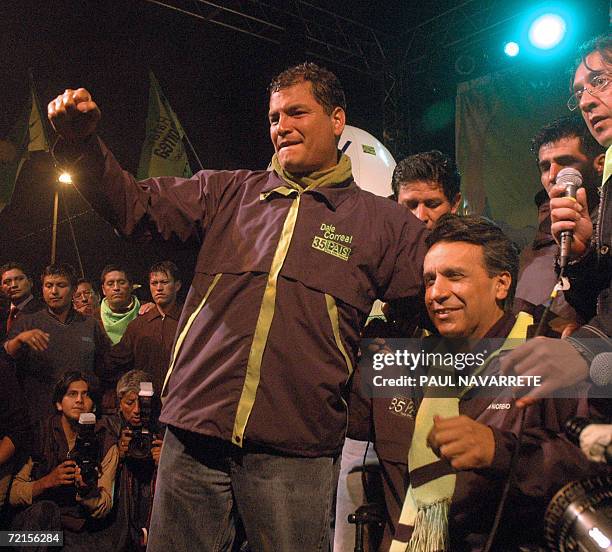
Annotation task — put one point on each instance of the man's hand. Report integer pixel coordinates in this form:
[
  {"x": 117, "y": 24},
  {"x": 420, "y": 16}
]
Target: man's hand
[
  {"x": 35, "y": 339},
  {"x": 145, "y": 308},
  {"x": 567, "y": 214},
  {"x": 124, "y": 442},
  {"x": 74, "y": 115},
  {"x": 156, "y": 448},
  {"x": 569, "y": 329},
  {"x": 558, "y": 363},
  {"x": 64, "y": 474},
  {"x": 78, "y": 479},
  {"x": 465, "y": 443}
]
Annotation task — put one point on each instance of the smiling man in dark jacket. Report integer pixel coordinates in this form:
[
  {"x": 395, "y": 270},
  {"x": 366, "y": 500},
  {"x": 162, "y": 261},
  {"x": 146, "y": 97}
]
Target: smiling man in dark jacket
[{"x": 291, "y": 262}]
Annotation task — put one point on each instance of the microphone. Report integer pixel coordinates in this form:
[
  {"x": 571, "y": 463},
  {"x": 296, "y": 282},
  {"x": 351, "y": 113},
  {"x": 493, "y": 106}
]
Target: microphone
[
  {"x": 572, "y": 180},
  {"x": 595, "y": 439},
  {"x": 601, "y": 369}
]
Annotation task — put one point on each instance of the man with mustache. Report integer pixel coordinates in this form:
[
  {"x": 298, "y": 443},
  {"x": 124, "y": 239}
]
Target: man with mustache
[{"x": 567, "y": 362}]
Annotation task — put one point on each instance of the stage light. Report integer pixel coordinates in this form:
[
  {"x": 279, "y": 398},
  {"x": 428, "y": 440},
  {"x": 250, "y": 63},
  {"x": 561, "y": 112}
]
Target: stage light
[
  {"x": 547, "y": 31},
  {"x": 65, "y": 178},
  {"x": 511, "y": 49}
]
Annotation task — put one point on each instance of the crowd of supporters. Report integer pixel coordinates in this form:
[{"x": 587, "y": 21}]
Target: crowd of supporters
[
  {"x": 260, "y": 373},
  {"x": 63, "y": 358}
]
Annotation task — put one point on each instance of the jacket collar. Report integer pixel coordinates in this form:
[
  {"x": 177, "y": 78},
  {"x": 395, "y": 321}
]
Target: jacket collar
[
  {"x": 332, "y": 195},
  {"x": 174, "y": 313}
]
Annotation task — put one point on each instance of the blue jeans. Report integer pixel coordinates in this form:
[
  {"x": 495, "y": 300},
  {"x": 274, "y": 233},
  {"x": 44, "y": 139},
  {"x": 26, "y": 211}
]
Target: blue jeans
[{"x": 204, "y": 485}]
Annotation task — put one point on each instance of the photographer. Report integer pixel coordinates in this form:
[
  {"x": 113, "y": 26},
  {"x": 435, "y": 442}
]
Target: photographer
[
  {"x": 136, "y": 428},
  {"x": 51, "y": 484}
]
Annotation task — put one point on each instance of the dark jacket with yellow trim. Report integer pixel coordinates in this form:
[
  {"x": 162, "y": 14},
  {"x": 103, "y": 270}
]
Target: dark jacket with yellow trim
[
  {"x": 347, "y": 243},
  {"x": 546, "y": 463}
]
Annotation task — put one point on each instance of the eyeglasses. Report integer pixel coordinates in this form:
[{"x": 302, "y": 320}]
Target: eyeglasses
[
  {"x": 598, "y": 84},
  {"x": 83, "y": 295}
]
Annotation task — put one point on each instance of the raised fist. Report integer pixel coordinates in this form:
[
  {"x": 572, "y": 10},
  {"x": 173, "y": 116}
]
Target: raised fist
[{"x": 74, "y": 115}]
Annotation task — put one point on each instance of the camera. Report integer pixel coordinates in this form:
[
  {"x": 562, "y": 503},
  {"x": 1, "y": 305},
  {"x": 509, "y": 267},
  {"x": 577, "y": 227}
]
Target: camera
[
  {"x": 143, "y": 435},
  {"x": 86, "y": 452}
]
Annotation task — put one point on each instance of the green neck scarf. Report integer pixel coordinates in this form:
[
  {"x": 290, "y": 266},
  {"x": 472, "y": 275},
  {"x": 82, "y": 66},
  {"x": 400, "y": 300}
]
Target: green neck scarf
[
  {"x": 318, "y": 179},
  {"x": 426, "y": 507},
  {"x": 115, "y": 323}
]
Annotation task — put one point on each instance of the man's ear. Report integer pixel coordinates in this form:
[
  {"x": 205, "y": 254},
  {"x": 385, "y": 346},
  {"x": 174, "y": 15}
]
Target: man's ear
[
  {"x": 504, "y": 281},
  {"x": 599, "y": 163},
  {"x": 338, "y": 120}
]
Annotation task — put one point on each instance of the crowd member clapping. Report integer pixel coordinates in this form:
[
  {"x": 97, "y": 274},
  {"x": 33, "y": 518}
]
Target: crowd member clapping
[
  {"x": 55, "y": 340},
  {"x": 53, "y": 488}
]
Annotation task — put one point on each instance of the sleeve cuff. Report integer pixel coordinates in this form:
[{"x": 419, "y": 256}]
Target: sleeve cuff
[{"x": 505, "y": 442}]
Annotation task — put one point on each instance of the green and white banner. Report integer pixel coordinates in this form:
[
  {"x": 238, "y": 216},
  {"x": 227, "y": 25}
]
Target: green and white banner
[{"x": 163, "y": 152}]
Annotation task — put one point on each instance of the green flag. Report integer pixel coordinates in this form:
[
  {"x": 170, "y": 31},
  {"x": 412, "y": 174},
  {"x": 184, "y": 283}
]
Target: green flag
[
  {"x": 28, "y": 134},
  {"x": 163, "y": 152}
]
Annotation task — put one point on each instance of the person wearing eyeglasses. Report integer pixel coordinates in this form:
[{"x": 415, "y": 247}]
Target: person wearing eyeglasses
[
  {"x": 568, "y": 361},
  {"x": 85, "y": 299},
  {"x": 564, "y": 142}
]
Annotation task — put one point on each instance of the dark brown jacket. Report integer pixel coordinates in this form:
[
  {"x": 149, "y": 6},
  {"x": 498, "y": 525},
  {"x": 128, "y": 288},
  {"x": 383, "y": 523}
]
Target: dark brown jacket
[
  {"x": 281, "y": 387},
  {"x": 547, "y": 461}
]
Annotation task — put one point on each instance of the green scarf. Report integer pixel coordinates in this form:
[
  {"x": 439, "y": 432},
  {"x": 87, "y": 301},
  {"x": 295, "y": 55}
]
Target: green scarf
[
  {"x": 427, "y": 506},
  {"x": 115, "y": 323},
  {"x": 318, "y": 179}
]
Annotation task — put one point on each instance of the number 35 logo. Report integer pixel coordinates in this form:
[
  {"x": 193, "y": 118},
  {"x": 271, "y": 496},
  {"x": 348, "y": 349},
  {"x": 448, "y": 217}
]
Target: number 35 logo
[{"x": 402, "y": 406}]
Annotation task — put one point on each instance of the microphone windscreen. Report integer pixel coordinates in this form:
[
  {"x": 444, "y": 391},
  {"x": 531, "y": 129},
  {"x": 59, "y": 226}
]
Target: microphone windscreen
[
  {"x": 569, "y": 175},
  {"x": 601, "y": 369}
]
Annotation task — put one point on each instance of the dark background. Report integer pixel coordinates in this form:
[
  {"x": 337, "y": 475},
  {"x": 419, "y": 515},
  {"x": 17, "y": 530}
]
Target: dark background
[{"x": 216, "y": 79}]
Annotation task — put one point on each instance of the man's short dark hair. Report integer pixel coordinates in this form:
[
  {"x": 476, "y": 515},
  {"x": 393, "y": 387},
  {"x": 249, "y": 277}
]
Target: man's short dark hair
[
  {"x": 499, "y": 252},
  {"x": 62, "y": 385},
  {"x": 326, "y": 87},
  {"x": 114, "y": 268},
  {"x": 13, "y": 265},
  {"x": 60, "y": 269},
  {"x": 429, "y": 166},
  {"x": 85, "y": 281},
  {"x": 601, "y": 44},
  {"x": 567, "y": 127},
  {"x": 168, "y": 268}
]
